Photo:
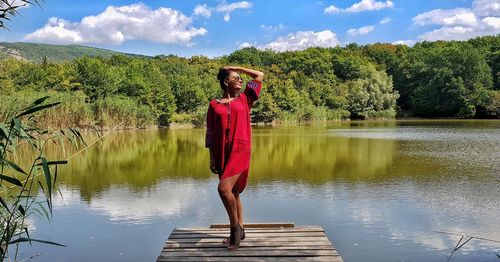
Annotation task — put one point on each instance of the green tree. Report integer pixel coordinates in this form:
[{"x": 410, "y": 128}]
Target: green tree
[
  {"x": 455, "y": 81},
  {"x": 348, "y": 67},
  {"x": 159, "y": 97},
  {"x": 310, "y": 61},
  {"x": 245, "y": 56},
  {"x": 265, "y": 110},
  {"x": 95, "y": 78},
  {"x": 495, "y": 68}
]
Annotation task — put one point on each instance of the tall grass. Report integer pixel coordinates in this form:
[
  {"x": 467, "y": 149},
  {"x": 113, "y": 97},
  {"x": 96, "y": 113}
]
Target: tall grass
[
  {"x": 383, "y": 114},
  {"x": 312, "y": 113},
  {"x": 115, "y": 110},
  {"x": 75, "y": 111}
]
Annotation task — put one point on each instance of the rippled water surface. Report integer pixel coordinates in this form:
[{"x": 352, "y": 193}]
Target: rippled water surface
[{"x": 381, "y": 190}]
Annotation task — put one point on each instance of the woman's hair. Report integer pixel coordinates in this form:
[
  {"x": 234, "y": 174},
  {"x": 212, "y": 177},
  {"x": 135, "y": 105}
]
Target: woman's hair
[{"x": 221, "y": 76}]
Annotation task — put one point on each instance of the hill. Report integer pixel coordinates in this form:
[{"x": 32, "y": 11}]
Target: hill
[{"x": 54, "y": 53}]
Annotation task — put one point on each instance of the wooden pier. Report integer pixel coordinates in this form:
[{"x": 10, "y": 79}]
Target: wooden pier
[{"x": 263, "y": 242}]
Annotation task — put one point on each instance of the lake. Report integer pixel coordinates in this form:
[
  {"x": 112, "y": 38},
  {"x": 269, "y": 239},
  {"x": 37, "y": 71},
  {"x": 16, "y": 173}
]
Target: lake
[{"x": 381, "y": 190}]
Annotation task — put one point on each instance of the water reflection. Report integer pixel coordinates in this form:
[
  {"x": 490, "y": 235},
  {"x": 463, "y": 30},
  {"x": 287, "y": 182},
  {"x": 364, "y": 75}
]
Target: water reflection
[
  {"x": 144, "y": 158},
  {"x": 138, "y": 160},
  {"x": 309, "y": 155},
  {"x": 381, "y": 190},
  {"x": 125, "y": 205}
]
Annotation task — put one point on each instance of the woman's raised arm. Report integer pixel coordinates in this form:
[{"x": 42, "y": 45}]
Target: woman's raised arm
[{"x": 255, "y": 74}]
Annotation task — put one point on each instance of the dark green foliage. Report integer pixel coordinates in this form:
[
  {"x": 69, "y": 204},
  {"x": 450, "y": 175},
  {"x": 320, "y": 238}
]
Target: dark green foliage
[
  {"x": 495, "y": 69},
  {"x": 188, "y": 94},
  {"x": 96, "y": 78},
  {"x": 266, "y": 110},
  {"x": 310, "y": 61},
  {"x": 246, "y": 56},
  {"x": 443, "y": 79},
  {"x": 455, "y": 84},
  {"x": 348, "y": 67}
]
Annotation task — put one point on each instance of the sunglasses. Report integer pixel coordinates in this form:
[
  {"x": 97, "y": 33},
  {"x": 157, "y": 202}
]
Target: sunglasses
[{"x": 237, "y": 78}]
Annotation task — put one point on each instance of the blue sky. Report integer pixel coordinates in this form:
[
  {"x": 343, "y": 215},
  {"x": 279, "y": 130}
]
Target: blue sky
[{"x": 215, "y": 28}]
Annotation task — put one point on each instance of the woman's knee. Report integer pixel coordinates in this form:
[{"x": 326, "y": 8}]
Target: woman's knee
[{"x": 224, "y": 189}]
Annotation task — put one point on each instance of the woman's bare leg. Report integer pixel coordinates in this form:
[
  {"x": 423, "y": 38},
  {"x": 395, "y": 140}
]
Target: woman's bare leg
[
  {"x": 228, "y": 199},
  {"x": 231, "y": 199},
  {"x": 239, "y": 211},
  {"x": 239, "y": 208}
]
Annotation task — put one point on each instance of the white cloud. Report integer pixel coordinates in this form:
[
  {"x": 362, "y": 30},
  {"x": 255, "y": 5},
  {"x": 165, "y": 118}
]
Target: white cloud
[
  {"x": 124, "y": 205},
  {"x": 303, "y": 39},
  {"x": 59, "y": 31},
  {"x": 202, "y": 10},
  {"x": 120, "y": 207},
  {"x": 451, "y": 17},
  {"x": 361, "y": 31},
  {"x": 462, "y": 23},
  {"x": 486, "y": 7},
  {"x": 450, "y": 33},
  {"x": 404, "y": 42},
  {"x": 223, "y": 7},
  {"x": 493, "y": 22},
  {"x": 369, "y": 5},
  {"x": 118, "y": 24},
  {"x": 332, "y": 10},
  {"x": 273, "y": 28},
  {"x": 363, "y": 5},
  {"x": 227, "y": 9},
  {"x": 385, "y": 20}
]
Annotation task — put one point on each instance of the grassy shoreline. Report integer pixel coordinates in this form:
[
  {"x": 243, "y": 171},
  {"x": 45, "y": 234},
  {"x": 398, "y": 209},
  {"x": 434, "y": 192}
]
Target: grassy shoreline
[{"x": 179, "y": 126}]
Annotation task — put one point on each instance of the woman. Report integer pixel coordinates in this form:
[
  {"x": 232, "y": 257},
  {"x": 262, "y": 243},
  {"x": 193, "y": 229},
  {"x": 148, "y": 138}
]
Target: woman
[{"x": 229, "y": 140}]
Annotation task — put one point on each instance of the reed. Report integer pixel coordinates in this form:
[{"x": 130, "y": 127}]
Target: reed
[
  {"x": 115, "y": 110},
  {"x": 19, "y": 186}
]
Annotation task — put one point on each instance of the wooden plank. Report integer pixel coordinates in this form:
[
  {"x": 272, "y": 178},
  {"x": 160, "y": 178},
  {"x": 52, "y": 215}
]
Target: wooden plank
[
  {"x": 257, "y": 225},
  {"x": 249, "y": 235},
  {"x": 263, "y": 242},
  {"x": 173, "y": 244},
  {"x": 250, "y": 253},
  {"x": 250, "y": 239},
  {"x": 252, "y": 230},
  {"x": 216, "y": 232},
  {"x": 268, "y": 245},
  {"x": 252, "y": 248},
  {"x": 257, "y": 230},
  {"x": 254, "y": 259}
]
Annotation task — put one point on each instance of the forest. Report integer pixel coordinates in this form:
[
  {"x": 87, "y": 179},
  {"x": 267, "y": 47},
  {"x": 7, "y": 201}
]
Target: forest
[{"x": 444, "y": 79}]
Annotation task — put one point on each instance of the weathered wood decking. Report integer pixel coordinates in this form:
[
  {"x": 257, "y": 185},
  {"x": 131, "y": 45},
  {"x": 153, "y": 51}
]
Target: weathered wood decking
[{"x": 263, "y": 242}]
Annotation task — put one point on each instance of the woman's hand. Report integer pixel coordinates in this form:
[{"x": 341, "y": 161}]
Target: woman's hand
[
  {"x": 213, "y": 166},
  {"x": 214, "y": 169}
]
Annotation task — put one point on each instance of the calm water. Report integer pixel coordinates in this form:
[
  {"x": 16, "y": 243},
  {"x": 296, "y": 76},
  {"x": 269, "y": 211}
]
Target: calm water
[{"x": 380, "y": 190}]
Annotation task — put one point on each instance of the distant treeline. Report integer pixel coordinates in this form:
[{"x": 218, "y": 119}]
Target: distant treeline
[{"x": 431, "y": 79}]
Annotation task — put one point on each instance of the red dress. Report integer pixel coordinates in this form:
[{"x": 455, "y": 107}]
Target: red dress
[{"x": 229, "y": 134}]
